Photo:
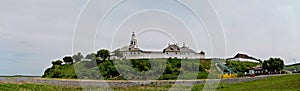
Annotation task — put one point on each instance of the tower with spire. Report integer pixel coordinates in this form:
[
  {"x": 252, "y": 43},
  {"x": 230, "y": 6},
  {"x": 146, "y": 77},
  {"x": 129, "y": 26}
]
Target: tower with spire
[{"x": 133, "y": 41}]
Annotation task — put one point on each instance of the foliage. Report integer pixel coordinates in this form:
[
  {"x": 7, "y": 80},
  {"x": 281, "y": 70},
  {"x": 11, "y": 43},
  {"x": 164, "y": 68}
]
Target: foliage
[
  {"x": 107, "y": 69},
  {"x": 91, "y": 56},
  {"x": 103, "y": 54},
  {"x": 57, "y": 62},
  {"x": 77, "y": 57},
  {"x": 68, "y": 60},
  {"x": 87, "y": 70},
  {"x": 273, "y": 64},
  {"x": 241, "y": 66},
  {"x": 56, "y": 71}
]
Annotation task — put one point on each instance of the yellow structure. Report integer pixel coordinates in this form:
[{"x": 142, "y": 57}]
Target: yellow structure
[{"x": 229, "y": 75}]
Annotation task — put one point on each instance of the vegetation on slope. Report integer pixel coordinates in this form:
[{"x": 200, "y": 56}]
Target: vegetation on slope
[
  {"x": 294, "y": 67},
  {"x": 107, "y": 69},
  {"x": 241, "y": 67}
]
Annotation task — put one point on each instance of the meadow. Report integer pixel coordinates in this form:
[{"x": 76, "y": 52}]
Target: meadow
[{"x": 273, "y": 83}]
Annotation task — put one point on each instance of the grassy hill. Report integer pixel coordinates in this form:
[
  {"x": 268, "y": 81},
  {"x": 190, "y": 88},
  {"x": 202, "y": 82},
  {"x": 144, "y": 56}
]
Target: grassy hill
[{"x": 107, "y": 69}]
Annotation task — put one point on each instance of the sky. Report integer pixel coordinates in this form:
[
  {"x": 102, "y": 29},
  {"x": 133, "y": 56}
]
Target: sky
[{"x": 35, "y": 32}]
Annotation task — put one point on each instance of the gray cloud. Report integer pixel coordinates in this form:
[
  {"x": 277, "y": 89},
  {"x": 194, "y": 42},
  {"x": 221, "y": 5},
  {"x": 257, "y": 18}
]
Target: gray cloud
[
  {"x": 261, "y": 28},
  {"x": 33, "y": 33}
]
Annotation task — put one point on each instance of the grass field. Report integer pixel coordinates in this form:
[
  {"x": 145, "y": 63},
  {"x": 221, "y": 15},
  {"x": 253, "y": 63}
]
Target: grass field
[
  {"x": 35, "y": 87},
  {"x": 276, "y": 83}
]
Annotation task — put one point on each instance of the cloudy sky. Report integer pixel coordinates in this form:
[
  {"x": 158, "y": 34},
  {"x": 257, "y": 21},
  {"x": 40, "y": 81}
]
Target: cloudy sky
[{"x": 35, "y": 32}]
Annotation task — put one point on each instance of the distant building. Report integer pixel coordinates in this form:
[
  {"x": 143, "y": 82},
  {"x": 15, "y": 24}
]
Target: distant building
[
  {"x": 172, "y": 51},
  {"x": 244, "y": 57}
]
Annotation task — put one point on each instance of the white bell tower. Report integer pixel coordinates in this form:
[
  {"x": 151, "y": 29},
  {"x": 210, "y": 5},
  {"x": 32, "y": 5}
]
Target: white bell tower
[{"x": 133, "y": 41}]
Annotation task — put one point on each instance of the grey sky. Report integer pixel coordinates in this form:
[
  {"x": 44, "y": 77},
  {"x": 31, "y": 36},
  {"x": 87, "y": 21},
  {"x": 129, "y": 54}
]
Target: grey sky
[{"x": 33, "y": 32}]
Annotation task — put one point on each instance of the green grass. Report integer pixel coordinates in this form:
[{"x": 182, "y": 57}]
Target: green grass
[
  {"x": 36, "y": 87},
  {"x": 276, "y": 83}
]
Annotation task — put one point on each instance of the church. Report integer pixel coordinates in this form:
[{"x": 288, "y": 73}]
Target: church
[{"x": 171, "y": 51}]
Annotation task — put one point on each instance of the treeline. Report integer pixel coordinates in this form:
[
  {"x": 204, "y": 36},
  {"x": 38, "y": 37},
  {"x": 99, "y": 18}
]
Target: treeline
[{"x": 99, "y": 66}]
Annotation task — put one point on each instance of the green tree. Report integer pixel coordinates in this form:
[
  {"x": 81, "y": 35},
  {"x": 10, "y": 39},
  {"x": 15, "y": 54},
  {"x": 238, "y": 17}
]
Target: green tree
[
  {"x": 91, "y": 56},
  {"x": 77, "y": 57},
  {"x": 117, "y": 53},
  {"x": 103, "y": 54},
  {"x": 68, "y": 60},
  {"x": 273, "y": 64},
  {"x": 57, "y": 62}
]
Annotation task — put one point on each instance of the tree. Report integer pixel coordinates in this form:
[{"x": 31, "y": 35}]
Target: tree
[
  {"x": 273, "y": 64},
  {"x": 77, "y": 57},
  {"x": 103, "y": 54},
  {"x": 57, "y": 62},
  {"x": 117, "y": 53},
  {"x": 68, "y": 60},
  {"x": 91, "y": 56}
]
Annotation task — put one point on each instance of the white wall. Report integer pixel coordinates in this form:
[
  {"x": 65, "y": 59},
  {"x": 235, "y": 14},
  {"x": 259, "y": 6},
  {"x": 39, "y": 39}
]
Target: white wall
[{"x": 129, "y": 55}]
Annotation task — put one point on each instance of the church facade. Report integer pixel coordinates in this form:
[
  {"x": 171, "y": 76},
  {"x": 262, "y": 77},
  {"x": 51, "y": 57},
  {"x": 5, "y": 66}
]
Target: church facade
[{"x": 172, "y": 51}]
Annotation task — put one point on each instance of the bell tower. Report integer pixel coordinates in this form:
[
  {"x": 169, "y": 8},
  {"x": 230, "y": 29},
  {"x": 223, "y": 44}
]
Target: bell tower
[{"x": 133, "y": 41}]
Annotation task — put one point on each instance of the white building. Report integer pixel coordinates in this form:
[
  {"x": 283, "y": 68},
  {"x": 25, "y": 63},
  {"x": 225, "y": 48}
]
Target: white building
[{"x": 172, "y": 51}]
